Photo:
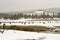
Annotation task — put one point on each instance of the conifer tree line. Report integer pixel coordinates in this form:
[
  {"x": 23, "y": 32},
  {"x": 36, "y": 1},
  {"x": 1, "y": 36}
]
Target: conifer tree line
[{"x": 21, "y": 15}]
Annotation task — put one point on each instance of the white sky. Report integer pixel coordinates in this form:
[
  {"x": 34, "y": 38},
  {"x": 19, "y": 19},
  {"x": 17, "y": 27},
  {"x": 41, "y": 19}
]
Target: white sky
[{"x": 21, "y": 5}]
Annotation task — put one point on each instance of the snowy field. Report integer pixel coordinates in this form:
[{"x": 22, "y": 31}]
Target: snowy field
[
  {"x": 20, "y": 35},
  {"x": 28, "y": 23}
]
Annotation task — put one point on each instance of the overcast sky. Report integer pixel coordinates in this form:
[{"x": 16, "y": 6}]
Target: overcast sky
[{"x": 21, "y": 5}]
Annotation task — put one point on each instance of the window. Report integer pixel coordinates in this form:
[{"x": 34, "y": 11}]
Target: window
[
  {"x": 32, "y": 22},
  {"x": 43, "y": 22},
  {"x": 49, "y": 22},
  {"x": 0, "y": 22},
  {"x": 39, "y": 22},
  {"x": 10, "y": 22},
  {"x": 28, "y": 22}
]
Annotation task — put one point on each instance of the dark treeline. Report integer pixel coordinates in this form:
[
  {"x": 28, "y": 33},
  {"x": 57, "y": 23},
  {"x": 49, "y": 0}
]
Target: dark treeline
[
  {"x": 14, "y": 16},
  {"x": 21, "y": 15},
  {"x": 59, "y": 15}
]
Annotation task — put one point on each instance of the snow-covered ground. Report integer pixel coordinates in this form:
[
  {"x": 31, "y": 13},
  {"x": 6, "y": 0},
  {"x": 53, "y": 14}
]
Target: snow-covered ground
[
  {"x": 29, "y": 23},
  {"x": 19, "y": 35}
]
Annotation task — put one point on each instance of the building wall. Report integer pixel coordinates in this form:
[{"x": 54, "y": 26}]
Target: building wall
[{"x": 39, "y": 12}]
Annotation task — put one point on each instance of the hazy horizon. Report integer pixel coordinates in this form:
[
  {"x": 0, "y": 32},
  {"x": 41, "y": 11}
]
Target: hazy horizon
[{"x": 22, "y": 5}]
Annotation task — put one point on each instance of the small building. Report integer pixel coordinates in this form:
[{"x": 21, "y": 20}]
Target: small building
[{"x": 39, "y": 12}]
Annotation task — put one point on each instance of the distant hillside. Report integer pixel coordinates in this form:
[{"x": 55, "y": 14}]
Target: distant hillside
[
  {"x": 17, "y": 15},
  {"x": 54, "y": 10},
  {"x": 49, "y": 10}
]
